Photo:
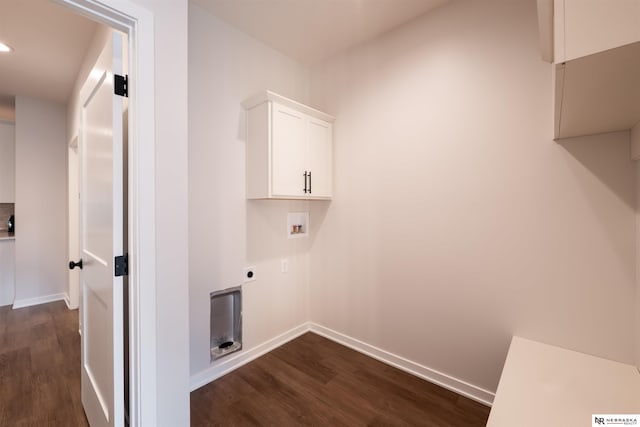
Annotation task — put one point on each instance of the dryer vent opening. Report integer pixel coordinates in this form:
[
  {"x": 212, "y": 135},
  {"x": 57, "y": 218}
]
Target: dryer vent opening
[{"x": 226, "y": 322}]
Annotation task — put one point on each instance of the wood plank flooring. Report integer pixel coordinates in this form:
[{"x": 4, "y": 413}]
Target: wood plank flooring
[
  {"x": 40, "y": 367},
  {"x": 309, "y": 381},
  {"x": 315, "y": 382}
]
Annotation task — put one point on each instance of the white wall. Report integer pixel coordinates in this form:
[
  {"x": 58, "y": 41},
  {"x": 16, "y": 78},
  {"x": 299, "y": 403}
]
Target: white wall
[
  {"x": 7, "y": 162},
  {"x": 7, "y": 108},
  {"x": 227, "y": 232},
  {"x": 41, "y": 200},
  {"x": 457, "y": 221},
  {"x": 172, "y": 252}
]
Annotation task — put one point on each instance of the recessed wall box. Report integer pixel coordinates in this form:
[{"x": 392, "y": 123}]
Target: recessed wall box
[
  {"x": 226, "y": 322},
  {"x": 297, "y": 224}
]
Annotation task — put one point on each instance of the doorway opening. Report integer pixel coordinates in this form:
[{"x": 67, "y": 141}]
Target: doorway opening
[{"x": 137, "y": 24}]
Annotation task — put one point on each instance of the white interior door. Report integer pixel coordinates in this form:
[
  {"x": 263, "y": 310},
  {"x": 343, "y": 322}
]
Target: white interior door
[{"x": 101, "y": 240}]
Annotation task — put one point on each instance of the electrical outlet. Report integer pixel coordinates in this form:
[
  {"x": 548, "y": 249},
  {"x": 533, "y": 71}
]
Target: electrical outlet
[
  {"x": 284, "y": 265},
  {"x": 249, "y": 274}
]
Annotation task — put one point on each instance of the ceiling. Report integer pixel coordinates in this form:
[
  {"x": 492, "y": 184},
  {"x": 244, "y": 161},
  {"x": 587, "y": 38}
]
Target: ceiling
[
  {"x": 313, "y": 30},
  {"x": 49, "y": 44}
]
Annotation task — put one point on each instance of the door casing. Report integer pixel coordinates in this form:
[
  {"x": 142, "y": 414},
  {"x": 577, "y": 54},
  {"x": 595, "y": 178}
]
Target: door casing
[{"x": 138, "y": 24}]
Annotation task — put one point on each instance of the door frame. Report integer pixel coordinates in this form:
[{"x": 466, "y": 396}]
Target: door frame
[{"x": 138, "y": 24}]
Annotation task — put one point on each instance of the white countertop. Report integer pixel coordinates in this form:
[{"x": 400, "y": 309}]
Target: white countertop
[{"x": 551, "y": 386}]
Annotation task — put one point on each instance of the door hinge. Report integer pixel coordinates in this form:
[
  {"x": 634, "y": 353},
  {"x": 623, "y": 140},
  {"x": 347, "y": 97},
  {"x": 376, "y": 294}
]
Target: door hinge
[
  {"x": 121, "y": 85},
  {"x": 121, "y": 265}
]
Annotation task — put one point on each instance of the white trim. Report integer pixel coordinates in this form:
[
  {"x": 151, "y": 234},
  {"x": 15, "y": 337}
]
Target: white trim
[
  {"x": 67, "y": 301},
  {"x": 433, "y": 376},
  {"x": 267, "y": 95},
  {"x": 138, "y": 24},
  {"x": 28, "y": 302},
  {"x": 234, "y": 362},
  {"x": 142, "y": 225},
  {"x": 545, "y": 29},
  {"x": 73, "y": 143},
  {"x": 428, "y": 374}
]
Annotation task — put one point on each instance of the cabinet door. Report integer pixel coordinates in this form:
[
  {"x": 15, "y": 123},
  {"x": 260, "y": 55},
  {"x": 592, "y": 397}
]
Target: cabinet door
[
  {"x": 7, "y": 162},
  {"x": 585, "y": 27},
  {"x": 320, "y": 157},
  {"x": 288, "y": 152}
]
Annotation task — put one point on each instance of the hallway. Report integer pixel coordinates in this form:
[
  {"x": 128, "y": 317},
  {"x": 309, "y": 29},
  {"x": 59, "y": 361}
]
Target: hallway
[{"x": 40, "y": 366}]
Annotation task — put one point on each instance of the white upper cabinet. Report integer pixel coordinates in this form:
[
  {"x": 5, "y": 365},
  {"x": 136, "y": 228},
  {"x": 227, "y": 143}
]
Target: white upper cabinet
[
  {"x": 7, "y": 162},
  {"x": 319, "y": 155},
  {"x": 289, "y": 149},
  {"x": 596, "y": 57},
  {"x": 585, "y": 27}
]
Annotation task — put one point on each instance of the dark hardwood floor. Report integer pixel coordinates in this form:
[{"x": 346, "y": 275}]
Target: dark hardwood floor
[
  {"x": 309, "y": 381},
  {"x": 316, "y": 382},
  {"x": 40, "y": 367}
]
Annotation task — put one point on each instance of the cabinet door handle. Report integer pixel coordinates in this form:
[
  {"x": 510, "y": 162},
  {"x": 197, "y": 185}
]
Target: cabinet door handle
[
  {"x": 309, "y": 175},
  {"x": 305, "y": 182}
]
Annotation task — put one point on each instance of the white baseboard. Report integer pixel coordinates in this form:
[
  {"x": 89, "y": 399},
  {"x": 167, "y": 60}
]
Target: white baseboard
[
  {"x": 67, "y": 301},
  {"x": 458, "y": 386},
  {"x": 28, "y": 302},
  {"x": 244, "y": 356},
  {"x": 450, "y": 383}
]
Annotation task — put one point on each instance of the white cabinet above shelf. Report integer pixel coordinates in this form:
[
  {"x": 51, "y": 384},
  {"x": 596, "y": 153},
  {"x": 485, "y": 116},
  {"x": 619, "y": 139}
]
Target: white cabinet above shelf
[
  {"x": 289, "y": 149},
  {"x": 594, "y": 46},
  {"x": 598, "y": 93}
]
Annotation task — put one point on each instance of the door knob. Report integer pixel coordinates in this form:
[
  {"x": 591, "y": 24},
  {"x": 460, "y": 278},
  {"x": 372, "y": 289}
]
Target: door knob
[{"x": 73, "y": 265}]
